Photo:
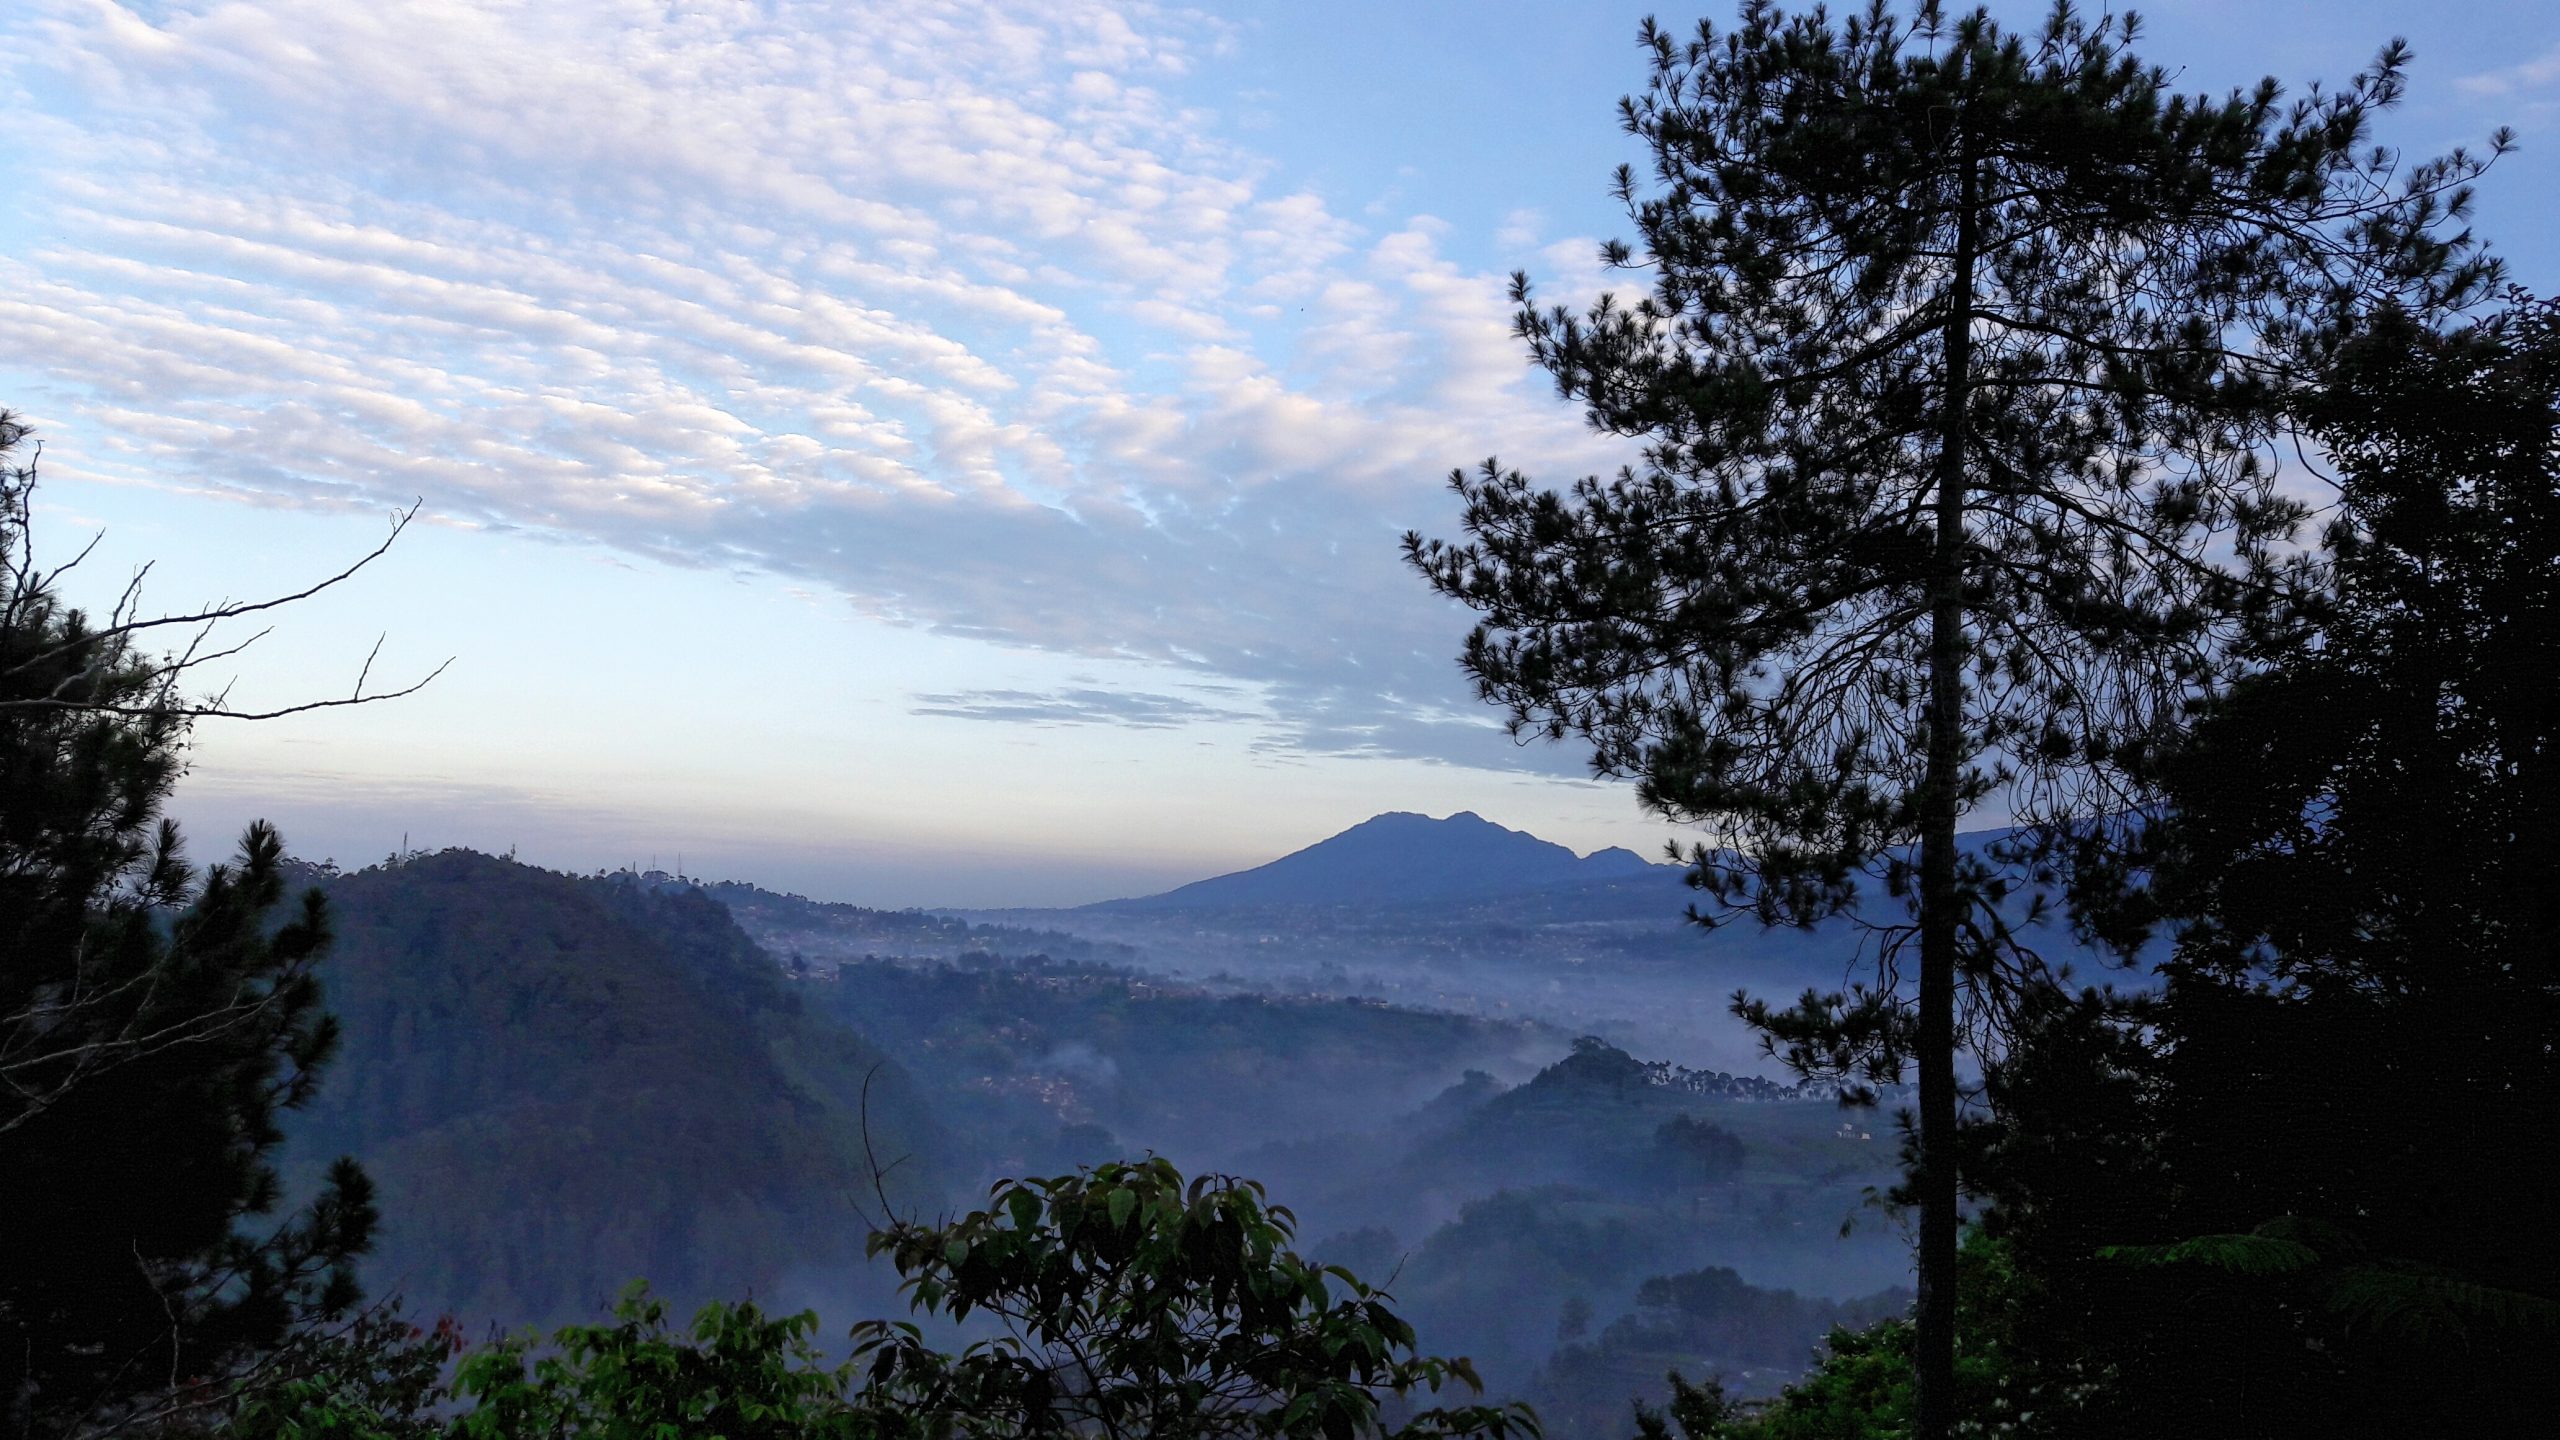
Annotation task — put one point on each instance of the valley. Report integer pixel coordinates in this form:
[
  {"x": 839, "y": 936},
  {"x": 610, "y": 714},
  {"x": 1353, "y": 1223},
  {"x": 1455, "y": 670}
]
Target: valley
[{"x": 1511, "y": 1095}]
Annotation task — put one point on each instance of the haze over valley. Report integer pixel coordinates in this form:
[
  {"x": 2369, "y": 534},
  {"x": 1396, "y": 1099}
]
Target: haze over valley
[
  {"x": 1465, "y": 1057},
  {"x": 1133, "y": 720}
]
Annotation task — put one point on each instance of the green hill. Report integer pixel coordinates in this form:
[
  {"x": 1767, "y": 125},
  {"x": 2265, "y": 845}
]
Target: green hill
[{"x": 564, "y": 1083}]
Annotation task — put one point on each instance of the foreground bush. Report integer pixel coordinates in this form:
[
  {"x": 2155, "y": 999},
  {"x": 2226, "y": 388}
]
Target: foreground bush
[{"x": 1126, "y": 1301}]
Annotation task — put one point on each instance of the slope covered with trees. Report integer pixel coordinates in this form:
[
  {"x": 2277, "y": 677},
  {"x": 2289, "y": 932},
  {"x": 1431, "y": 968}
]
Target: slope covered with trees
[
  {"x": 1021, "y": 1048},
  {"x": 563, "y": 1084}
]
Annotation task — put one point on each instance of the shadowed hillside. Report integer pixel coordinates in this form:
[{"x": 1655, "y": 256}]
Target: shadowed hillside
[{"x": 565, "y": 1083}]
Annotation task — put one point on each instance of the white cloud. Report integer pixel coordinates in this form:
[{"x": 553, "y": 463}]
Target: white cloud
[
  {"x": 1520, "y": 229},
  {"x": 2530, "y": 75},
  {"x": 947, "y": 307}
]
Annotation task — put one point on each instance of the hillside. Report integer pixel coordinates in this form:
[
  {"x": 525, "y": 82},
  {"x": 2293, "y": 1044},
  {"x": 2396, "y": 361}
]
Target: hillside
[
  {"x": 652, "y": 1093},
  {"x": 1047, "y": 1063},
  {"x": 1401, "y": 858},
  {"x": 639, "y": 1083},
  {"x": 797, "y": 928},
  {"x": 1503, "y": 1212}
]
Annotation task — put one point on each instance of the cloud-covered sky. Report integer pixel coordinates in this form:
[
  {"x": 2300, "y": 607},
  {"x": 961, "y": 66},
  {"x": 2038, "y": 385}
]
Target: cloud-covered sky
[{"x": 1075, "y": 366}]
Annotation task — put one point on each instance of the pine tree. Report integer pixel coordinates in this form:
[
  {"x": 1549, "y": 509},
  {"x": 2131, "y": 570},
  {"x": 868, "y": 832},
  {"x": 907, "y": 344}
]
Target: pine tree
[
  {"x": 154, "y": 1025},
  {"x": 1958, "y": 385}
]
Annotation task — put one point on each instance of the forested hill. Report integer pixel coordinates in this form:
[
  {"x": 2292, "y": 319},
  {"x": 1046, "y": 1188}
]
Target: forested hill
[
  {"x": 795, "y": 927},
  {"x": 565, "y": 1083}
]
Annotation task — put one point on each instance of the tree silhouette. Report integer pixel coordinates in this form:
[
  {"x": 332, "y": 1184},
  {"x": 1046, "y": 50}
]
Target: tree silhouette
[
  {"x": 149, "y": 683},
  {"x": 2364, "y": 993},
  {"x": 1958, "y": 385},
  {"x": 154, "y": 1024},
  {"x": 1129, "y": 1301},
  {"x": 2313, "y": 1131}
]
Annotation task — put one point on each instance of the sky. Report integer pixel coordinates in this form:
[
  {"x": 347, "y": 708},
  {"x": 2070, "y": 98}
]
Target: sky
[{"x": 938, "y": 453}]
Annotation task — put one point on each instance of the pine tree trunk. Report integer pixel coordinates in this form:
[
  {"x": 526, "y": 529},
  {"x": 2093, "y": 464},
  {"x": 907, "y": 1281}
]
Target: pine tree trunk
[{"x": 1935, "y": 1349}]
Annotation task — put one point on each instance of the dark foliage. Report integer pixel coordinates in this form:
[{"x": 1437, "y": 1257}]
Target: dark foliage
[
  {"x": 1135, "y": 1303},
  {"x": 1700, "y": 1410},
  {"x": 736, "y": 1371},
  {"x": 1126, "y": 1302},
  {"x": 1957, "y": 382},
  {"x": 1701, "y": 1322},
  {"x": 373, "y": 1377},
  {"x": 1861, "y": 1387},
  {"x": 2316, "y": 1132},
  {"x": 155, "y": 1026},
  {"x": 1693, "y": 1152}
]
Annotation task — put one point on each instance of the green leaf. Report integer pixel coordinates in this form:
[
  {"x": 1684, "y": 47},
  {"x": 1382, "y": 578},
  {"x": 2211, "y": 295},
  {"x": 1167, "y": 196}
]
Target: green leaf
[
  {"x": 2237, "y": 1254},
  {"x": 2420, "y": 1305}
]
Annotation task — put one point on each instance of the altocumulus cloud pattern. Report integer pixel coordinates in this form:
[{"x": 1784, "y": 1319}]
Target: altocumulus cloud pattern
[{"x": 961, "y": 311}]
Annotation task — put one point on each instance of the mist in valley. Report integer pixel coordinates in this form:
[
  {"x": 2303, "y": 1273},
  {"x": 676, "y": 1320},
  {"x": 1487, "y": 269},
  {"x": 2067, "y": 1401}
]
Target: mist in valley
[
  {"x": 2052, "y": 527},
  {"x": 1518, "y": 1102}
]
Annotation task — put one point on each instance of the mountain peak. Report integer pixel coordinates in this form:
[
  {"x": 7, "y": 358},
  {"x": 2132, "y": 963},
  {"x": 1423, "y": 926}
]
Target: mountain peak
[
  {"x": 1618, "y": 860},
  {"x": 1396, "y": 857}
]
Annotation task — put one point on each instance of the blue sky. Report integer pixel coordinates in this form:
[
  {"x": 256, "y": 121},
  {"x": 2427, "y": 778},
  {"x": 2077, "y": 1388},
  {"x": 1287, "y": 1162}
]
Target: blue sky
[{"x": 931, "y": 453}]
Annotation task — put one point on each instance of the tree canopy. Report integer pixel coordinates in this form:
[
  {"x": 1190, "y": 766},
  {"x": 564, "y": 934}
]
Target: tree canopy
[
  {"x": 1136, "y": 1303},
  {"x": 2320, "y": 1132},
  {"x": 154, "y": 1024},
  {"x": 1128, "y": 1301},
  {"x": 1958, "y": 383}
]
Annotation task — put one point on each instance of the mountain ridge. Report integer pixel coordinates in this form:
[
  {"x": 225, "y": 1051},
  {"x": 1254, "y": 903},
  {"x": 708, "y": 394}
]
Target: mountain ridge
[{"x": 1401, "y": 856}]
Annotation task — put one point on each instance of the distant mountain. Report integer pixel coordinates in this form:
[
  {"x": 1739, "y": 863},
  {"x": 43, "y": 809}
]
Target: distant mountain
[
  {"x": 1620, "y": 863},
  {"x": 1400, "y": 858}
]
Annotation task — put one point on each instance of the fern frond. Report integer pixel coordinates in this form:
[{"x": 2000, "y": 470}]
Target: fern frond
[
  {"x": 2237, "y": 1254},
  {"x": 2424, "y": 1306}
]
